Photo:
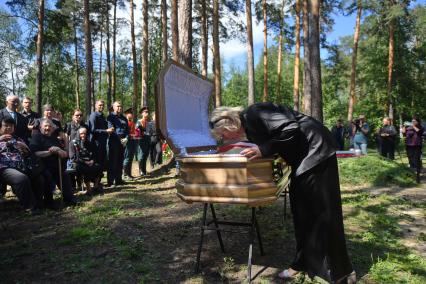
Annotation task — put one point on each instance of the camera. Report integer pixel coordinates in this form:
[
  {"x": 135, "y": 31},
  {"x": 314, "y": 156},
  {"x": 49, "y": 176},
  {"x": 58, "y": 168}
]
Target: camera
[
  {"x": 408, "y": 123},
  {"x": 357, "y": 124}
]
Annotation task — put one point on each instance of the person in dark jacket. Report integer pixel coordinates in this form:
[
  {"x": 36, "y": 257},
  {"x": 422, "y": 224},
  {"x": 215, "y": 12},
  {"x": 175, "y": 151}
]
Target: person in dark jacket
[
  {"x": 99, "y": 133},
  {"x": 155, "y": 148},
  {"x": 29, "y": 114},
  {"x": 82, "y": 152},
  {"x": 339, "y": 133},
  {"x": 386, "y": 138},
  {"x": 116, "y": 144},
  {"x": 144, "y": 141},
  {"x": 21, "y": 123},
  {"x": 413, "y": 143},
  {"x": 308, "y": 147}
]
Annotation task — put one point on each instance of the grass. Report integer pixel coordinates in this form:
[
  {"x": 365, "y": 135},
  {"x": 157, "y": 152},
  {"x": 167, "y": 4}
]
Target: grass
[
  {"x": 374, "y": 170},
  {"x": 132, "y": 236}
]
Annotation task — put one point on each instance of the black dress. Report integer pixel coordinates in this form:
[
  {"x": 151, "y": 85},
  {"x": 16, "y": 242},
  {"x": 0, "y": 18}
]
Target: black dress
[{"x": 315, "y": 199}]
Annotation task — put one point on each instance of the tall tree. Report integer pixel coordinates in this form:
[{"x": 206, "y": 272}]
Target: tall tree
[
  {"x": 39, "y": 78},
  {"x": 250, "y": 56},
  {"x": 135, "y": 65},
  {"x": 280, "y": 52},
  {"x": 100, "y": 51},
  {"x": 307, "y": 107},
  {"x": 114, "y": 55},
  {"x": 89, "y": 57},
  {"x": 314, "y": 46},
  {"x": 390, "y": 62},
  {"x": 265, "y": 51},
  {"x": 108, "y": 55},
  {"x": 354, "y": 57},
  {"x": 164, "y": 29},
  {"x": 204, "y": 38},
  {"x": 175, "y": 30},
  {"x": 76, "y": 66},
  {"x": 296, "y": 58},
  {"x": 216, "y": 55},
  {"x": 185, "y": 32},
  {"x": 144, "y": 95}
]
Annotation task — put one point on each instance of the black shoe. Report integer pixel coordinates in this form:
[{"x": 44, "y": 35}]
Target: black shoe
[{"x": 120, "y": 182}]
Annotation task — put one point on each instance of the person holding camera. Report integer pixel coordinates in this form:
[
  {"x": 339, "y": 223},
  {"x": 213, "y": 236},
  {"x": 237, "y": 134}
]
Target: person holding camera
[
  {"x": 413, "y": 143},
  {"x": 13, "y": 169},
  {"x": 82, "y": 153},
  {"x": 386, "y": 139},
  {"x": 361, "y": 131}
]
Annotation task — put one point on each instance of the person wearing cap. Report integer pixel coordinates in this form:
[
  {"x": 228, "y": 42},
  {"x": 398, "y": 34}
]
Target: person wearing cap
[
  {"x": 144, "y": 141},
  {"x": 361, "y": 131},
  {"x": 99, "y": 133},
  {"x": 131, "y": 146},
  {"x": 308, "y": 147},
  {"x": 116, "y": 144}
]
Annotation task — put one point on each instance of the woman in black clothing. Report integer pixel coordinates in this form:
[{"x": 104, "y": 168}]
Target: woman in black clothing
[
  {"x": 308, "y": 148},
  {"x": 82, "y": 152}
]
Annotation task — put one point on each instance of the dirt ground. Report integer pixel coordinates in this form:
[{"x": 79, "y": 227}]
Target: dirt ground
[{"x": 143, "y": 233}]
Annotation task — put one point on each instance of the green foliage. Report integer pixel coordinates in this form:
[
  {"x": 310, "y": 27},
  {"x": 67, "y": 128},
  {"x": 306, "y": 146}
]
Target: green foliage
[{"x": 374, "y": 170}]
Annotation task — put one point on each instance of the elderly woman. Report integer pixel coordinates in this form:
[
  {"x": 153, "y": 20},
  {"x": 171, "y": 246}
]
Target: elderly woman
[
  {"x": 46, "y": 145},
  {"x": 413, "y": 142},
  {"x": 82, "y": 152},
  {"x": 12, "y": 168},
  {"x": 308, "y": 148}
]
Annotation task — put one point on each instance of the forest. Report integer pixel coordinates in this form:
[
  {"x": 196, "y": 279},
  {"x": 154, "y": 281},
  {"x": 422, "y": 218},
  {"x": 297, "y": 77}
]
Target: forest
[{"x": 70, "y": 53}]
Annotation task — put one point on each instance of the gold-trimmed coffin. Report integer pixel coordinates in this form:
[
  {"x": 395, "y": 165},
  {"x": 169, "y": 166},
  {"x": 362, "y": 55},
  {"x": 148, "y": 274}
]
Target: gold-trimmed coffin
[
  {"x": 182, "y": 98},
  {"x": 226, "y": 179}
]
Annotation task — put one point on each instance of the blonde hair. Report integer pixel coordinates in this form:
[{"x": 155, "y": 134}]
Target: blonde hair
[{"x": 225, "y": 118}]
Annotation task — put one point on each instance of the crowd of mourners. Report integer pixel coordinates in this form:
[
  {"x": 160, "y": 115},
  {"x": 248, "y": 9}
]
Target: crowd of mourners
[
  {"x": 386, "y": 137},
  {"x": 38, "y": 154}
]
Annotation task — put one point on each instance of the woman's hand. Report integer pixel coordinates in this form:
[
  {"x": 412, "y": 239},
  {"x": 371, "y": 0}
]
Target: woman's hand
[
  {"x": 5, "y": 137},
  {"x": 22, "y": 147},
  {"x": 252, "y": 153}
]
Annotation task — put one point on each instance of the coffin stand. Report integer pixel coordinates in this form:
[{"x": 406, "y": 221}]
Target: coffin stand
[{"x": 182, "y": 116}]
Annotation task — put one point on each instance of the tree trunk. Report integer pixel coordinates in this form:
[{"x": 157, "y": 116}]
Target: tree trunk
[
  {"x": 164, "y": 30},
  {"x": 89, "y": 58},
  {"x": 135, "y": 65},
  {"x": 250, "y": 57},
  {"x": 100, "y": 54},
  {"x": 354, "y": 56},
  {"x": 296, "y": 59},
  {"x": 108, "y": 57},
  {"x": 204, "y": 39},
  {"x": 185, "y": 30},
  {"x": 77, "y": 76},
  {"x": 114, "y": 41},
  {"x": 314, "y": 46},
  {"x": 11, "y": 68},
  {"x": 216, "y": 55},
  {"x": 390, "y": 68},
  {"x": 144, "y": 94},
  {"x": 175, "y": 30},
  {"x": 265, "y": 53},
  {"x": 280, "y": 54},
  {"x": 307, "y": 108},
  {"x": 39, "y": 76}
]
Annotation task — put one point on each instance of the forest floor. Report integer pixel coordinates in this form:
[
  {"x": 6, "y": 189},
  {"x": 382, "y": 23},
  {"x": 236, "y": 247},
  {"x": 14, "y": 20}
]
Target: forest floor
[{"x": 143, "y": 233}]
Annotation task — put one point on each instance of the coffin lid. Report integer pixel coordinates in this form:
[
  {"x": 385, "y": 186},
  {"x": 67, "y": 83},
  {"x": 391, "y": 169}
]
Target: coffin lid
[{"x": 182, "y": 100}]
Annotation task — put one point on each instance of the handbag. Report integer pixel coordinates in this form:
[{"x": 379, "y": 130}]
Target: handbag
[{"x": 34, "y": 166}]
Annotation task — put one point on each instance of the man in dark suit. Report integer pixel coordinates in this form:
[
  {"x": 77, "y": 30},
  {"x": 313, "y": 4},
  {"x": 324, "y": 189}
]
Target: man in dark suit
[
  {"x": 21, "y": 124},
  {"x": 29, "y": 114}
]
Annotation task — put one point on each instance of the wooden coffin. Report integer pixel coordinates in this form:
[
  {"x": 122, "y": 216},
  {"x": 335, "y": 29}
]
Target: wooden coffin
[{"x": 182, "y": 116}]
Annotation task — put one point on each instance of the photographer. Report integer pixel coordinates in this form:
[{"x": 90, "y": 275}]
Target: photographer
[
  {"x": 413, "y": 142},
  {"x": 13, "y": 170},
  {"x": 361, "y": 132}
]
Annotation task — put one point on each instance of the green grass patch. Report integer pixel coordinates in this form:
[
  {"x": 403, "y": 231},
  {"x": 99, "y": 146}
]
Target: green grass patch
[{"x": 374, "y": 170}]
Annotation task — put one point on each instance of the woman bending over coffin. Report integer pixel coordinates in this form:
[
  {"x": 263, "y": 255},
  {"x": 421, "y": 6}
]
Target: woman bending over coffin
[{"x": 316, "y": 206}]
